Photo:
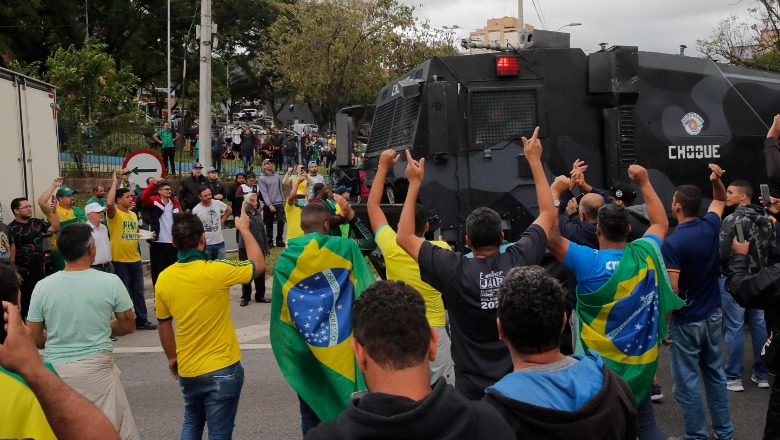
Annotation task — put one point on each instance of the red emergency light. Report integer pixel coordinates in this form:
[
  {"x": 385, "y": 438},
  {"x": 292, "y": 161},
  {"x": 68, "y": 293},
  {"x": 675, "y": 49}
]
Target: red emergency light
[{"x": 507, "y": 65}]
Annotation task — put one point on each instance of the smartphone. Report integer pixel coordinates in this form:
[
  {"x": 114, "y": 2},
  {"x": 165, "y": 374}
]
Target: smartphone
[
  {"x": 740, "y": 233},
  {"x": 765, "y": 194}
]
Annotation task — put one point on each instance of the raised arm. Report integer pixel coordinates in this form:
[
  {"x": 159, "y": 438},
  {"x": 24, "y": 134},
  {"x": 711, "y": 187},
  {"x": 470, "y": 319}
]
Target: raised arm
[
  {"x": 375, "y": 214},
  {"x": 718, "y": 191},
  {"x": 45, "y": 197},
  {"x": 111, "y": 198},
  {"x": 405, "y": 238},
  {"x": 253, "y": 251},
  {"x": 659, "y": 224},
  {"x": 548, "y": 214}
]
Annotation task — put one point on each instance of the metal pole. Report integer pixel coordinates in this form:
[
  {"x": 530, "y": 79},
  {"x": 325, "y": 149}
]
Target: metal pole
[
  {"x": 520, "y": 23},
  {"x": 169, "y": 61},
  {"x": 204, "y": 112},
  {"x": 86, "y": 13}
]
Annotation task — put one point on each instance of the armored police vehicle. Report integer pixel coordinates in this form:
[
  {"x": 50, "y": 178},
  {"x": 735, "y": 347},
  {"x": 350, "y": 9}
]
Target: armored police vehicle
[{"x": 466, "y": 114}]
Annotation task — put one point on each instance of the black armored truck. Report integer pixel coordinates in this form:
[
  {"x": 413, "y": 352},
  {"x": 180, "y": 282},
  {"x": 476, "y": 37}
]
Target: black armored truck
[{"x": 673, "y": 114}]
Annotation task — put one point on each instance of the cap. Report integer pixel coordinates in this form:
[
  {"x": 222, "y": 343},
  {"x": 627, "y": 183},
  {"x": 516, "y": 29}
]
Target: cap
[
  {"x": 211, "y": 170},
  {"x": 125, "y": 171},
  {"x": 624, "y": 192},
  {"x": 265, "y": 161},
  {"x": 318, "y": 186},
  {"x": 340, "y": 190},
  {"x": 65, "y": 191},
  {"x": 312, "y": 163},
  {"x": 94, "y": 207},
  {"x": 197, "y": 165}
]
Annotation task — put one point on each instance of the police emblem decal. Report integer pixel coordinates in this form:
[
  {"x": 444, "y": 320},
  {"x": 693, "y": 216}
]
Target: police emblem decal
[
  {"x": 693, "y": 123},
  {"x": 618, "y": 193}
]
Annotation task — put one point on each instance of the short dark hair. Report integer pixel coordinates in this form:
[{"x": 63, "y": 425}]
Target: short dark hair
[
  {"x": 389, "y": 321},
  {"x": 187, "y": 230},
  {"x": 9, "y": 284},
  {"x": 240, "y": 174},
  {"x": 483, "y": 226},
  {"x": 689, "y": 197},
  {"x": 73, "y": 241},
  {"x": 204, "y": 189},
  {"x": 95, "y": 188},
  {"x": 531, "y": 305},
  {"x": 420, "y": 219},
  {"x": 17, "y": 202},
  {"x": 162, "y": 184},
  {"x": 312, "y": 216},
  {"x": 121, "y": 192},
  {"x": 613, "y": 222},
  {"x": 744, "y": 186}
]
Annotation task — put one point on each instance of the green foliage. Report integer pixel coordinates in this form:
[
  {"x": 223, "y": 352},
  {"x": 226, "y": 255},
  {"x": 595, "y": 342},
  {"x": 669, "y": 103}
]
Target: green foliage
[
  {"x": 90, "y": 87},
  {"x": 333, "y": 53}
]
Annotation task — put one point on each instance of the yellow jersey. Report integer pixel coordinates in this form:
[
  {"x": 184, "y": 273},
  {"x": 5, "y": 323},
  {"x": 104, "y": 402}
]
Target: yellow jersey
[
  {"x": 23, "y": 416},
  {"x": 123, "y": 236},
  {"x": 293, "y": 214},
  {"x": 67, "y": 216},
  {"x": 195, "y": 293},
  {"x": 402, "y": 267}
]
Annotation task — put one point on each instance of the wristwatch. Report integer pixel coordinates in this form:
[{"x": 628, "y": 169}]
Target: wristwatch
[{"x": 557, "y": 202}]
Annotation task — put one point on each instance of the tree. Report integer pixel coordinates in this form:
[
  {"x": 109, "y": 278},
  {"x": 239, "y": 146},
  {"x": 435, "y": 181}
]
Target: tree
[
  {"x": 333, "y": 53},
  {"x": 752, "y": 43}
]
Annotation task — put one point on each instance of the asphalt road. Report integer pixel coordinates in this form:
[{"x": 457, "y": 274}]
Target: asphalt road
[{"x": 269, "y": 408}]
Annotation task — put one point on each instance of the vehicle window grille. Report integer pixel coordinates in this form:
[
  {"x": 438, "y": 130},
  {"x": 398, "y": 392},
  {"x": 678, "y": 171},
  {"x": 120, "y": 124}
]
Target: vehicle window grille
[
  {"x": 394, "y": 124},
  {"x": 499, "y": 114},
  {"x": 627, "y": 132}
]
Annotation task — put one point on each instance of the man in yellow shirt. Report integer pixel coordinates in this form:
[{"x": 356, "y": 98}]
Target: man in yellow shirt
[
  {"x": 65, "y": 211},
  {"x": 125, "y": 254},
  {"x": 203, "y": 354},
  {"x": 402, "y": 267}
]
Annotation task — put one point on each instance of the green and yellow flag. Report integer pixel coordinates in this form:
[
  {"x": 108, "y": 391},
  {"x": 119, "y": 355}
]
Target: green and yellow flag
[
  {"x": 316, "y": 279},
  {"x": 625, "y": 320}
]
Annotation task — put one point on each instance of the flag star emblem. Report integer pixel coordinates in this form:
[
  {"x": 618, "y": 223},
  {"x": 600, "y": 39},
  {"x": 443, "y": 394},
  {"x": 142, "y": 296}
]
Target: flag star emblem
[
  {"x": 339, "y": 307},
  {"x": 628, "y": 346},
  {"x": 295, "y": 314},
  {"x": 317, "y": 278},
  {"x": 301, "y": 286},
  {"x": 307, "y": 325},
  {"x": 320, "y": 309},
  {"x": 640, "y": 347},
  {"x": 638, "y": 326},
  {"x": 305, "y": 287},
  {"x": 301, "y": 296},
  {"x": 311, "y": 310},
  {"x": 293, "y": 300},
  {"x": 309, "y": 317},
  {"x": 322, "y": 296},
  {"x": 322, "y": 324},
  {"x": 650, "y": 337}
]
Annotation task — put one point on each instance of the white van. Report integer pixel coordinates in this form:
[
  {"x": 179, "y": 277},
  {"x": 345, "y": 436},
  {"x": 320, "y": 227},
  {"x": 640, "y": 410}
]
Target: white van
[{"x": 30, "y": 142}]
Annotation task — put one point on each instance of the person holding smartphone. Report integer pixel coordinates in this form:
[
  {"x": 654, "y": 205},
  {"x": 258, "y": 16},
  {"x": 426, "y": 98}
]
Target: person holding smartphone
[{"x": 758, "y": 229}]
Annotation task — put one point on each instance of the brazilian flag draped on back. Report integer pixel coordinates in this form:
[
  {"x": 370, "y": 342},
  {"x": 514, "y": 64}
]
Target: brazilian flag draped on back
[
  {"x": 625, "y": 320},
  {"x": 316, "y": 280}
]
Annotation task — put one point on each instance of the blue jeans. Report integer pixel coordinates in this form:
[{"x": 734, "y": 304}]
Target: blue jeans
[
  {"x": 734, "y": 318},
  {"x": 249, "y": 160},
  {"x": 696, "y": 349},
  {"x": 215, "y": 251},
  {"x": 646, "y": 425},
  {"x": 211, "y": 398},
  {"x": 132, "y": 276},
  {"x": 309, "y": 418}
]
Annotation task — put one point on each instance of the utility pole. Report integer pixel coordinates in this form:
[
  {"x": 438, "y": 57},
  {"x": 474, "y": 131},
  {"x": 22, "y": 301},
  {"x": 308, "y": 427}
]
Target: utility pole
[
  {"x": 204, "y": 112},
  {"x": 520, "y": 22}
]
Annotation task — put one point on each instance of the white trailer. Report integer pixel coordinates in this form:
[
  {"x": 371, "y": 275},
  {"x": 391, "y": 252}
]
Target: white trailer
[{"x": 29, "y": 141}]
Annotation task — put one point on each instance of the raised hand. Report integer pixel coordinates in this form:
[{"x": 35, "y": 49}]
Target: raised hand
[
  {"x": 414, "y": 169},
  {"x": 532, "y": 148},
  {"x": 388, "y": 158},
  {"x": 774, "y": 130},
  {"x": 717, "y": 172},
  {"x": 638, "y": 174}
]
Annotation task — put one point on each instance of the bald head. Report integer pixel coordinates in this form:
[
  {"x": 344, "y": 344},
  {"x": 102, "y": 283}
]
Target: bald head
[
  {"x": 589, "y": 207},
  {"x": 314, "y": 218}
]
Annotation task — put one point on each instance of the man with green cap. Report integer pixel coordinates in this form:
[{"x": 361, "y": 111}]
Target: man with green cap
[{"x": 64, "y": 210}]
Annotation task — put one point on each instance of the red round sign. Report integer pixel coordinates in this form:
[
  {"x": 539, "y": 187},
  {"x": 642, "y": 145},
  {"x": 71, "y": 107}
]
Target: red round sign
[{"x": 144, "y": 164}]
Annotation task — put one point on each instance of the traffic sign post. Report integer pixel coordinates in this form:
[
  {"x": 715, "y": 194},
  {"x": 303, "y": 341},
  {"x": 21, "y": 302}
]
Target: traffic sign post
[{"x": 144, "y": 164}]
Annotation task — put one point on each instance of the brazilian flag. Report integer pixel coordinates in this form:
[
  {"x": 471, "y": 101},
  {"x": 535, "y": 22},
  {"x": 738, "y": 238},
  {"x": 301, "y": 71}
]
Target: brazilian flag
[
  {"x": 625, "y": 320},
  {"x": 316, "y": 279}
]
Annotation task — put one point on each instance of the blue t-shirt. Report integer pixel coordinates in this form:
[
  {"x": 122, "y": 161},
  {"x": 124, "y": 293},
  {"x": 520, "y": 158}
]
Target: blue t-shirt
[
  {"x": 565, "y": 390},
  {"x": 593, "y": 267},
  {"x": 693, "y": 251}
]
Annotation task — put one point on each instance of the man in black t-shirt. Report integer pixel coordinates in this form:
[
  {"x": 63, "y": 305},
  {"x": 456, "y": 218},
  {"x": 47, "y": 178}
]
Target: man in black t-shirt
[
  {"x": 469, "y": 286},
  {"x": 27, "y": 232}
]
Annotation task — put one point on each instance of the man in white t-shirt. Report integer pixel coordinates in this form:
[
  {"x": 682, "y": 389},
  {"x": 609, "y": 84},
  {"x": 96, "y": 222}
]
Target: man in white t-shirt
[
  {"x": 95, "y": 215},
  {"x": 212, "y": 213}
]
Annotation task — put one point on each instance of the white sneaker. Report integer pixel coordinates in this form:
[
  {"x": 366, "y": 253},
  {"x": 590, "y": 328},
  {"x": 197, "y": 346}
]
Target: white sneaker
[
  {"x": 734, "y": 385},
  {"x": 762, "y": 383}
]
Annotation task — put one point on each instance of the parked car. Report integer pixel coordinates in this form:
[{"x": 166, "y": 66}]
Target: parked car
[{"x": 251, "y": 112}]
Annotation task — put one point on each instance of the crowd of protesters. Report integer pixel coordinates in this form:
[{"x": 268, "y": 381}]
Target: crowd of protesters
[{"x": 452, "y": 345}]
